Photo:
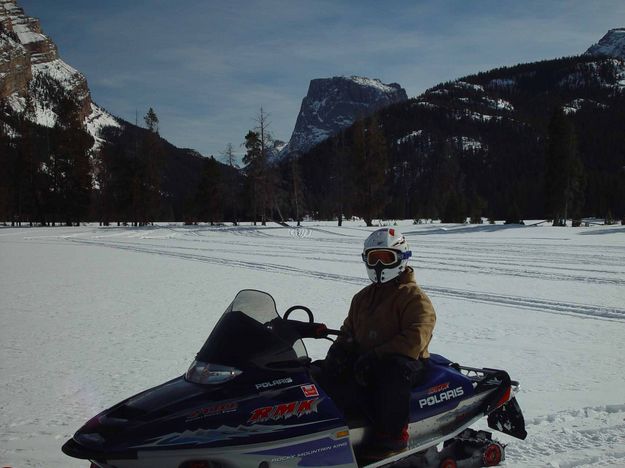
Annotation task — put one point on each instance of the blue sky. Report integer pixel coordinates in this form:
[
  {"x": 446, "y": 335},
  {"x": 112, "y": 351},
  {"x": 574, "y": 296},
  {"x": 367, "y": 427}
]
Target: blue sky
[{"x": 207, "y": 66}]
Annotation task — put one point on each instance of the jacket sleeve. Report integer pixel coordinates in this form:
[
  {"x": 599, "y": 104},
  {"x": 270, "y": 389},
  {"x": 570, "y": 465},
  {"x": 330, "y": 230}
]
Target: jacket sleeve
[
  {"x": 348, "y": 326},
  {"x": 417, "y": 320}
]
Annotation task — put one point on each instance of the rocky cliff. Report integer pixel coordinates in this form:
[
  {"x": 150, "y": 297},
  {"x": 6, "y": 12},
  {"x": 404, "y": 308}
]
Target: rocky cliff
[
  {"x": 30, "y": 68},
  {"x": 611, "y": 45},
  {"x": 15, "y": 72},
  {"x": 333, "y": 104}
]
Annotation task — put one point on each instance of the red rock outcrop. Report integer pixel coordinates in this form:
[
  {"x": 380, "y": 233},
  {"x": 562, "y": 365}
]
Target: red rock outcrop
[
  {"x": 27, "y": 53},
  {"x": 15, "y": 71}
]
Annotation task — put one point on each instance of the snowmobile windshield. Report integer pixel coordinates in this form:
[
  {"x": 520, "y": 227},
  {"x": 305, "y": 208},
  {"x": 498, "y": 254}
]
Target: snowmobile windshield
[{"x": 250, "y": 334}]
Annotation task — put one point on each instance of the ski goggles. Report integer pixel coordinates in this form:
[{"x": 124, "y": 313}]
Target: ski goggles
[{"x": 386, "y": 257}]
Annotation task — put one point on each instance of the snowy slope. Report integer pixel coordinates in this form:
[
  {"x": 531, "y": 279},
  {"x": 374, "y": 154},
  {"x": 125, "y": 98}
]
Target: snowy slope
[
  {"x": 30, "y": 66},
  {"x": 97, "y": 121},
  {"x": 91, "y": 315},
  {"x": 612, "y": 44}
]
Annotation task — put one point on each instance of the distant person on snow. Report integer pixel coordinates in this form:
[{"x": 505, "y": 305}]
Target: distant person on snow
[{"x": 387, "y": 332}]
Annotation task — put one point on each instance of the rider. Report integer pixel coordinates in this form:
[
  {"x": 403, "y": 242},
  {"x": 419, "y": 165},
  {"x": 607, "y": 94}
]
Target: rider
[{"x": 386, "y": 336}]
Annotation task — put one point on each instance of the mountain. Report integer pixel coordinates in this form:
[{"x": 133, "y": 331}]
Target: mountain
[
  {"x": 333, "y": 104},
  {"x": 477, "y": 146},
  {"x": 32, "y": 71},
  {"x": 35, "y": 87},
  {"x": 610, "y": 45}
]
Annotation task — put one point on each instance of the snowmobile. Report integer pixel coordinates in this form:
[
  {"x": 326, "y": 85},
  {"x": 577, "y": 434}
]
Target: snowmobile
[{"x": 250, "y": 399}]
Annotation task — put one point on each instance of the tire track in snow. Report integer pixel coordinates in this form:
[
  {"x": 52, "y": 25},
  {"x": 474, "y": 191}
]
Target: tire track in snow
[
  {"x": 541, "y": 305},
  {"x": 456, "y": 267},
  {"x": 512, "y": 267},
  {"x": 260, "y": 250},
  {"x": 269, "y": 267},
  {"x": 539, "y": 254},
  {"x": 525, "y": 260}
]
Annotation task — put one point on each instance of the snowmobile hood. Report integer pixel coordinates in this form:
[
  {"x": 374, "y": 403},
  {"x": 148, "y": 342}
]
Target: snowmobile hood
[{"x": 129, "y": 423}]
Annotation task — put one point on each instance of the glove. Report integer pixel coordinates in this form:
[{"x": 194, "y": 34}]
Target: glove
[
  {"x": 337, "y": 361},
  {"x": 363, "y": 366}
]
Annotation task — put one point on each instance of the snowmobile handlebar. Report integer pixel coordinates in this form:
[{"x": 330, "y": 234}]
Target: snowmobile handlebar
[
  {"x": 309, "y": 329},
  {"x": 312, "y": 329}
]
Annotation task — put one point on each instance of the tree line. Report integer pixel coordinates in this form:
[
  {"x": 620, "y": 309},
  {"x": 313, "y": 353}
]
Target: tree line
[
  {"x": 56, "y": 176},
  {"x": 426, "y": 158},
  {"x": 452, "y": 155},
  {"x": 53, "y": 176},
  {"x": 46, "y": 175}
]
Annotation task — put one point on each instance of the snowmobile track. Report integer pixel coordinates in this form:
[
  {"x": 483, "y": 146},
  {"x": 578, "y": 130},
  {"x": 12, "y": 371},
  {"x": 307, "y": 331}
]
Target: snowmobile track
[{"x": 542, "y": 305}]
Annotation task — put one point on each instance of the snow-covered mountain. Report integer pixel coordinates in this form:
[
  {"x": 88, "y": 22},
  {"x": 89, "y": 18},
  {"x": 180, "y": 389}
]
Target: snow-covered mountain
[
  {"x": 612, "y": 44},
  {"x": 483, "y": 137},
  {"x": 32, "y": 70},
  {"x": 333, "y": 104}
]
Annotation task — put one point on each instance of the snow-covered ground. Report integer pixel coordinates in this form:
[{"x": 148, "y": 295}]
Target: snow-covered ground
[{"x": 91, "y": 315}]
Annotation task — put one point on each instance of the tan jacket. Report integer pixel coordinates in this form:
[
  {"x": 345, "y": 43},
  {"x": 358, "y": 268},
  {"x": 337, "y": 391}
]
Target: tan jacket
[{"x": 392, "y": 318}]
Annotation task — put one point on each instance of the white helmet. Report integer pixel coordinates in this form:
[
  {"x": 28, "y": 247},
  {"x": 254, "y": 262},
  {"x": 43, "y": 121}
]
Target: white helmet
[{"x": 385, "y": 254}]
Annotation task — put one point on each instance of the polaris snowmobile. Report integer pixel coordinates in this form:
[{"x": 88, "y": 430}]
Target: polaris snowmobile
[{"x": 250, "y": 399}]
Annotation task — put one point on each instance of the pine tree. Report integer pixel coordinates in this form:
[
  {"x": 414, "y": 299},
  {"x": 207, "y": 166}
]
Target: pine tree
[
  {"x": 369, "y": 166},
  {"x": 341, "y": 186},
  {"x": 254, "y": 168},
  {"x": 30, "y": 181},
  {"x": 152, "y": 165},
  {"x": 208, "y": 198},
  {"x": 261, "y": 176},
  {"x": 230, "y": 189},
  {"x": 6, "y": 151},
  {"x": 563, "y": 171},
  {"x": 151, "y": 121},
  {"x": 103, "y": 201},
  {"x": 267, "y": 180},
  {"x": 70, "y": 164},
  {"x": 445, "y": 186},
  {"x": 297, "y": 189}
]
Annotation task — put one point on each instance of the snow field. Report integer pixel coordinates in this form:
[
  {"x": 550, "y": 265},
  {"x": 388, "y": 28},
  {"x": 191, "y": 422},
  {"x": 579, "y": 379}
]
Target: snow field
[{"x": 90, "y": 315}]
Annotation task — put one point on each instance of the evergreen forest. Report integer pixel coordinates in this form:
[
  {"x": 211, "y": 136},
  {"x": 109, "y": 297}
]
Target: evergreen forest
[{"x": 534, "y": 141}]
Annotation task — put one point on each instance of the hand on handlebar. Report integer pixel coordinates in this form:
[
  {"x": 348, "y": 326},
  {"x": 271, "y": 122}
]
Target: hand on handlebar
[{"x": 313, "y": 330}]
